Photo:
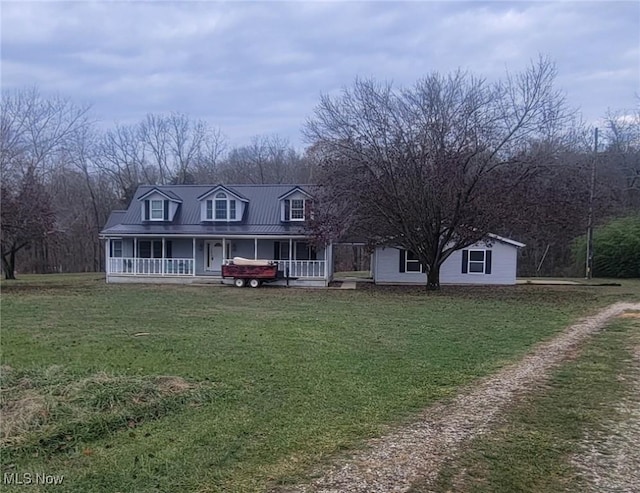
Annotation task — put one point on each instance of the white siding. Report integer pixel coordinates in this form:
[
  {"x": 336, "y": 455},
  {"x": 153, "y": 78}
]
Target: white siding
[{"x": 386, "y": 267}]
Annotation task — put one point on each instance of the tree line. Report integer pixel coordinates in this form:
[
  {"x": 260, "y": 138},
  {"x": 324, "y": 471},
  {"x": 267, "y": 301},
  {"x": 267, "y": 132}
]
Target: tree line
[{"x": 431, "y": 167}]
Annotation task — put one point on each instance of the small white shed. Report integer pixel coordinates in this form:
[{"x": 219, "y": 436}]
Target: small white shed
[{"x": 494, "y": 261}]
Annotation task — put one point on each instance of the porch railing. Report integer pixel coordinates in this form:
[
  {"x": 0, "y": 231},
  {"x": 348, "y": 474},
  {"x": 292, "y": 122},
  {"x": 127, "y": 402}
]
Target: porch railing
[
  {"x": 151, "y": 266},
  {"x": 302, "y": 268}
]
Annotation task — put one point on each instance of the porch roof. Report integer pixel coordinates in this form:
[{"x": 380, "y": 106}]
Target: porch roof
[{"x": 205, "y": 230}]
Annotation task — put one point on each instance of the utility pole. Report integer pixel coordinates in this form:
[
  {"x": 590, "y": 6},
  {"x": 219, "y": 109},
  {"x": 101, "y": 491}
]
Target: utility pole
[{"x": 592, "y": 191}]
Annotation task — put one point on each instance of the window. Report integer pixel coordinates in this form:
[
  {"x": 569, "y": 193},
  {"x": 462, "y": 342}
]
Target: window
[
  {"x": 153, "y": 249},
  {"x": 116, "y": 248},
  {"x": 476, "y": 261},
  {"x": 302, "y": 250},
  {"x": 296, "y": 210},
  {"x": 221, "y": 209},
  {"x": 281, "y": 250},
  {"x": 157, "y": 210},
  {"x": 412, "y": 264}
]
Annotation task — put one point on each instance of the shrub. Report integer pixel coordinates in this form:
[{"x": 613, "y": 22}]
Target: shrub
[{"x": 616, "y": 248}]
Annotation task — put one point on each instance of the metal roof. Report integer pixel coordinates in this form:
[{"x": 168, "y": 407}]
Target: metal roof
[{"x": 261, "y": 217}]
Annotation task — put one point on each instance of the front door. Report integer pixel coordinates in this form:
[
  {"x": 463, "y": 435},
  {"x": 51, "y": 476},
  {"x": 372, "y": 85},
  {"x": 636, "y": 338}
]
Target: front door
[{"x": 213, "y": 255}]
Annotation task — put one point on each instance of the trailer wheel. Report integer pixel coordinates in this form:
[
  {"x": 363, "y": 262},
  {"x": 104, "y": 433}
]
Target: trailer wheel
[
  {"x": 239, "y": 283},
  {"x": 254, "y": 283}
]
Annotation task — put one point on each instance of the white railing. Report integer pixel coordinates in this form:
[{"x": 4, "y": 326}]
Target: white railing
[
  {"x": 302, "y": 268},
  {"x": 151, "y": 266}
]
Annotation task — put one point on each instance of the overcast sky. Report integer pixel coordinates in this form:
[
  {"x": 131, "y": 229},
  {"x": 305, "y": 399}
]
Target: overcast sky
[{"x": 259, "y": 67}]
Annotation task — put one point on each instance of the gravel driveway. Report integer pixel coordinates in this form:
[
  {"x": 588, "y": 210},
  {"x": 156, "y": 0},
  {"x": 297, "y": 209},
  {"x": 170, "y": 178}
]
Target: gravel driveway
[{"x": 414, "y": 453}]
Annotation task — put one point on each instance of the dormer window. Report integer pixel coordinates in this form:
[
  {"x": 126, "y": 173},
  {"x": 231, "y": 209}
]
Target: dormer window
[
  {"x": 296, "y": 210},
  {"x": 222, "y": 208},
  {"x": 157, "y": 210},
  {"x": 220, "y": 204}
]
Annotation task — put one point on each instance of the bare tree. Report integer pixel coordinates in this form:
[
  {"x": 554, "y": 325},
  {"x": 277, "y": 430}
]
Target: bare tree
[
  {"x": 121, "y": 154},
  {"x": 621, "y": 157},
  {"x": 416, "y": 168},
  {"x": 37, "y": 134},
  {"x": 267, "y": 159},
  {"x": 35, "y": 131},
  {"x": 26, "y": 217}
]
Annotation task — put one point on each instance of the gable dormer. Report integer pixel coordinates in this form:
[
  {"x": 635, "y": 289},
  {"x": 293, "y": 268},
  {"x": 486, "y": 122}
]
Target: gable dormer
[
  {"x": 221, "y": 204},
  {"x": 158, "y": 205},
  {"x": 295, "y": 205}
]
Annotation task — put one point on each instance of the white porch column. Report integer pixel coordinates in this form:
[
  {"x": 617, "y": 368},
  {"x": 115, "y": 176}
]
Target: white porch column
[
  {"x": 162, "y": 260},
  {"x": 194, "y": 256},
  {"x": 290, "y": 257},
  {"x": 224, "y": 250},
  {"x": 135, "y": 256},
  {"x": 255, "y": 248},
  {"x": 107, "y": 255},
  {"x": 326, "y": 247}
]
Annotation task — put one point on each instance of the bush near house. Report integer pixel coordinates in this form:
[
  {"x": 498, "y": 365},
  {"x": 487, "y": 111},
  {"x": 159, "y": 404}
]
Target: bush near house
[{"x": 616, "y": 248}]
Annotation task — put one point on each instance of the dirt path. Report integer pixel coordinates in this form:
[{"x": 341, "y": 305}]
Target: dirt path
[
  {"x": 610, "y": 460},
  {"x": 394, "y": 462}
]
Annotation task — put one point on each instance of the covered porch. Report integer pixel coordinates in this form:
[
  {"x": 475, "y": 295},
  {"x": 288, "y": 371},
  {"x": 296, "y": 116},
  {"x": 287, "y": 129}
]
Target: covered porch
[{"x": 194, "y": 259}]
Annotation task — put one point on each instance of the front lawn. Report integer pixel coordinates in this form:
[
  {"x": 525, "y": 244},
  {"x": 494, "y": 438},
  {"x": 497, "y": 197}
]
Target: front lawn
[{"x": 206, "y": 388}]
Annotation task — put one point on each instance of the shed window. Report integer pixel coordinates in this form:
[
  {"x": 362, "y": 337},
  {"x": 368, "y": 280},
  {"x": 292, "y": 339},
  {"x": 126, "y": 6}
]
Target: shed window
[
  {"x": 412, "y": 264},
  {"x": 476, "y": 261}
]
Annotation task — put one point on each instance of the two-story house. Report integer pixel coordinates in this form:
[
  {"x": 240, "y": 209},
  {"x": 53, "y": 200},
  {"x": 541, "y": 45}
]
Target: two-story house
[{"x": 185, "y": 233}]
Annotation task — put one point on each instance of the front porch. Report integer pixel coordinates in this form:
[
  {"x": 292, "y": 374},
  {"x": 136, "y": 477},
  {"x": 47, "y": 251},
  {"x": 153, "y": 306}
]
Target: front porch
[{"x": 200, "y": 260}]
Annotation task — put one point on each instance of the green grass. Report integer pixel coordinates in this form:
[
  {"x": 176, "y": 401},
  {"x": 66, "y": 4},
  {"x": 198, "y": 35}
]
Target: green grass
[
  {"x": 531, "y": 450},
  {"x": 273, "y": 380}
]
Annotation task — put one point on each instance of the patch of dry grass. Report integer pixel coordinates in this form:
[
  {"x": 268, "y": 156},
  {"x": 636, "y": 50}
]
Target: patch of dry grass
[{"x": 47, "y": 410}]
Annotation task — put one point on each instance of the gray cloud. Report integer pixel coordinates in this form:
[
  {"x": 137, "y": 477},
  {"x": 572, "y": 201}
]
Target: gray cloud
[{"x": 259, "y": 67}]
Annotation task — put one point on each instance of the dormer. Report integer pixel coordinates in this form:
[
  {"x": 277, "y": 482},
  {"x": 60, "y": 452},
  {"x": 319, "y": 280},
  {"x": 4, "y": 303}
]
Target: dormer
[
  {"x": 221, "y": 204},
  {"x": 159, "y": 205},
  {"x": 295, "y": 205}
]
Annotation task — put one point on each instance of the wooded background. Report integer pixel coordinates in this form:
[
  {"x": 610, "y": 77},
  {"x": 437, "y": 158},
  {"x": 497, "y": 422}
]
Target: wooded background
[{"x": 63, "y": 173}]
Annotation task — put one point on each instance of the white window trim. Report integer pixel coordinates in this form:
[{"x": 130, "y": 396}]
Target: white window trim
[
  {"x": 151, "y": 245},
  {"x": 406, "y": 265},
  {"x": 304, "y": 207},
  {"x": 228, "y": 201},
  {"x": 151, "y": 210},
  {"x": 484, "y": 261},
  {"x": 113, "y": 248}
]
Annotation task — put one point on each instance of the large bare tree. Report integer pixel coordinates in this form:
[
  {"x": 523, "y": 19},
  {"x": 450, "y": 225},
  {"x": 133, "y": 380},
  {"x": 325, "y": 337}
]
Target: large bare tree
[
  {"x": 36, "y": 135},
  {"x": 422, "y": 168}
]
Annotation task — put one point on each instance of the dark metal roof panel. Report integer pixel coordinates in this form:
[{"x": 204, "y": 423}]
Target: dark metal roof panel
[
  {"x": 263, "y": 208},
  {"x": 114, "y": 218}
]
